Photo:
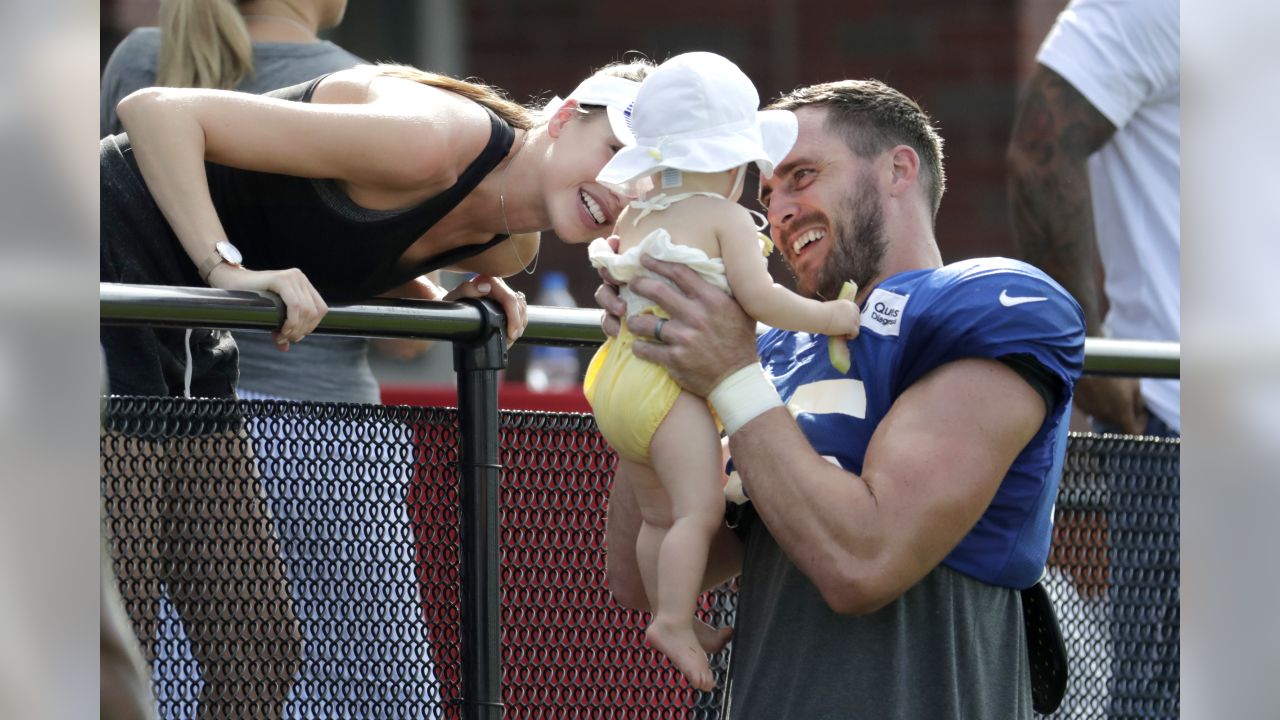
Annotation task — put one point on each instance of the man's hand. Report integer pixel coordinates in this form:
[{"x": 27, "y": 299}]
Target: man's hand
[
  {"x": 708, "y": 336},
  {"x": 1115, "y": 401},
  {"x": 607, "y": 297}
]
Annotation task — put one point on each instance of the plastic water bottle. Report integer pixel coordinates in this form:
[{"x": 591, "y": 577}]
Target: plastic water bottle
[{"x": 553, "y": 369}]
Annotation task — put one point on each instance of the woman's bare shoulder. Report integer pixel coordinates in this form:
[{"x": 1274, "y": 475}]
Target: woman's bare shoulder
[{"x": 445, "y": 124}]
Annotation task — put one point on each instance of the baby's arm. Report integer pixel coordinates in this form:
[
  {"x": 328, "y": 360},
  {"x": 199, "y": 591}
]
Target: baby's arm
[{"x": 747, "y": 272}]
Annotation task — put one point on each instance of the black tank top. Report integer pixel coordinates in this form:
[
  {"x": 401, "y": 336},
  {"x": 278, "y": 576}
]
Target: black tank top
[{"x": 347, "y": 251}]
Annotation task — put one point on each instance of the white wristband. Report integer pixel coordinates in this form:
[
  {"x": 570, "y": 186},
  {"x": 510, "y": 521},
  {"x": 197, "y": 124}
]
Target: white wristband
[{"x": 739, "y": 398}]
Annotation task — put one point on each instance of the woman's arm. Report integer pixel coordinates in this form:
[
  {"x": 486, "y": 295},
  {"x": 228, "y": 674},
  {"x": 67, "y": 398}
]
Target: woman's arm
[
  {"x": 747, "y": 271},
  {"x": 386, "y": 143},
  {"x": 426, "y": 287},
  {"x": 389, "y": 142},
  {"x": 378, "y": 131}
]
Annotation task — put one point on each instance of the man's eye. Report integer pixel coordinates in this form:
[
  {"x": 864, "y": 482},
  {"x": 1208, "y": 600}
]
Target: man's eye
[{"x": 799, "y": 175}]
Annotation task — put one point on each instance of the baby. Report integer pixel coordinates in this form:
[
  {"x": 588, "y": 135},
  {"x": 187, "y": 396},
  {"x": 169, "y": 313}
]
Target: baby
[{"x": 696, "y": 128}]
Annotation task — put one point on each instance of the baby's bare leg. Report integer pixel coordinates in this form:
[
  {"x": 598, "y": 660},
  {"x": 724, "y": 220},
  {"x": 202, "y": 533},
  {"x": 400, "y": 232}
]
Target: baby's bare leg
[
  {"x": 686, "y": 457},
  {"x": 623, "y": 538}
]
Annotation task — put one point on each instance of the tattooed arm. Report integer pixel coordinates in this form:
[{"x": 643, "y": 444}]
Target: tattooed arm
[{"x": 1055, "y": 132}]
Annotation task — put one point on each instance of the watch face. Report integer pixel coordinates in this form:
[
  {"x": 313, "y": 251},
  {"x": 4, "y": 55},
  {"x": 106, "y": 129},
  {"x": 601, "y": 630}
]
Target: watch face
[{"x": 229, "y": 252}]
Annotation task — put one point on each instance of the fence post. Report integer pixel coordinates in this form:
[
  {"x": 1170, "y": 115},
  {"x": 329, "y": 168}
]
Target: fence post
[{"x": 477, "y": 364}]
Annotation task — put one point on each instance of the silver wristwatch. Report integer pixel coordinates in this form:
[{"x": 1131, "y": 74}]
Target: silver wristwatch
[{"x": 223, "y": 252}]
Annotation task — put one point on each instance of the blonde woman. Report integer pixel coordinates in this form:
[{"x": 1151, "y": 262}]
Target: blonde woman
[
  {"x": 404, "y": 171},
  {"x": 256, "y": 47}
]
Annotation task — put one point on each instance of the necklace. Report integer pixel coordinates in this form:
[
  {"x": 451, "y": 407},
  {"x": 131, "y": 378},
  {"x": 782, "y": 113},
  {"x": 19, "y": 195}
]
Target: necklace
[
  {"x": 502, "y": 203},
  {"x": 287, "y": 20}
]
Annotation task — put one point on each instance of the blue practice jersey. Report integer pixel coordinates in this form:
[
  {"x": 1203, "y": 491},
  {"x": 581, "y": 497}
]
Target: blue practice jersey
[{"x": 914, "y": 322}]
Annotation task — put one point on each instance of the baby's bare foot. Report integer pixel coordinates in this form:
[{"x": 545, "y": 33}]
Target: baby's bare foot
[
  {"x": 711, "y": 639},
  {"x": 681, "y": 646}
]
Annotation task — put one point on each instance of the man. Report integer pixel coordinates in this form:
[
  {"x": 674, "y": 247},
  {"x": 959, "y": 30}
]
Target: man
[
  {"x": 1094, "y": 174},
  {"x": 1094, "y": 171},
  {"x": 895, "y": 510}
]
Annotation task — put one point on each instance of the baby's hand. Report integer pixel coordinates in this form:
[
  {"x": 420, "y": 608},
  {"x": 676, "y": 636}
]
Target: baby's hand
[
  {"x": 845, "y": 320},
  {"x": 838, "y": 345}
]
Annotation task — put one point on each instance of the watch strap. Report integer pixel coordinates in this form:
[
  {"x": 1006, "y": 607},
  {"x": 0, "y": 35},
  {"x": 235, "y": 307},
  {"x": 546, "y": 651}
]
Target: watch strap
[{"x": 214, "y": 259}]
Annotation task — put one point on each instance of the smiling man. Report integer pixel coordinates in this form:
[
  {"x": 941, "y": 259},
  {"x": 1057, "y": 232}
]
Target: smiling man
[{"x": 895, "y": 510}]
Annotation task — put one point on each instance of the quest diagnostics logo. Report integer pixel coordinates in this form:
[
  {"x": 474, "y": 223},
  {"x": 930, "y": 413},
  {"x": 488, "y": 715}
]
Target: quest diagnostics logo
[{"x": 883, "y": 312}]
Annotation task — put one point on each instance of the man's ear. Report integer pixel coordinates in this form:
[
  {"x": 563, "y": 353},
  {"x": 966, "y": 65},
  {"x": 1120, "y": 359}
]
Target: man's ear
[
  {"x": 904, "y": 165},
  {"x": 567, "y": 112}
]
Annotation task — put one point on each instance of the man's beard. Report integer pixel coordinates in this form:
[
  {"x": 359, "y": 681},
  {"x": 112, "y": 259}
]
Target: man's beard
[{"x": 859, "y": 247}]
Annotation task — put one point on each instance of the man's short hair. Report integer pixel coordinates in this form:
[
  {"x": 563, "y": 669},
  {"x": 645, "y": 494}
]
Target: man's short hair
[{"x": 873, "y": 117}]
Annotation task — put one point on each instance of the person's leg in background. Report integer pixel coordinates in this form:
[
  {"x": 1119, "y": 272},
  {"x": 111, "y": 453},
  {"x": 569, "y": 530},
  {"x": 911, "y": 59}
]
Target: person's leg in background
[
  {"x": 338, "y": 488},
  {"x": 227, "y": 579}
]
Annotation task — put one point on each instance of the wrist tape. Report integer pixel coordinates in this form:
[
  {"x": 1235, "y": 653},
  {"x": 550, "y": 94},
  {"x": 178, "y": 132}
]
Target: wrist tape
[{"x": 739, "y": 398}]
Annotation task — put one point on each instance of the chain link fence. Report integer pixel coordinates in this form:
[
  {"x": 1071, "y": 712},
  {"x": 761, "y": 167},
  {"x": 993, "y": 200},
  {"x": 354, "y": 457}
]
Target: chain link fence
[{"x": 301, "y": 560}]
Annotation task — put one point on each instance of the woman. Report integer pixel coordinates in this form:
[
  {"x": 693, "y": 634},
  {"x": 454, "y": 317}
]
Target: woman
[
  {"x": 370, "y": 202},
  {"x": 343, "y": 187},
  {"x": 258, "y": 46}
]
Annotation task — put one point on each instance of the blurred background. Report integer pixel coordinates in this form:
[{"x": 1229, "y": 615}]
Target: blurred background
[{"x": 963, "y": 62}]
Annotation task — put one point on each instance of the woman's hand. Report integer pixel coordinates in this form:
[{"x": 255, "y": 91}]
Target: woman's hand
[
  {"x": 304, "y": 307},
  {"x": 513, "y": 303}
]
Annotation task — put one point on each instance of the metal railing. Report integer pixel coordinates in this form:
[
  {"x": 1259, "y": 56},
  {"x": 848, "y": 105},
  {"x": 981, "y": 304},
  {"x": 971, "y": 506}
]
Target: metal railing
[
  {"x": 206, "y": 307},
  {"x": 476, "y": 330}
]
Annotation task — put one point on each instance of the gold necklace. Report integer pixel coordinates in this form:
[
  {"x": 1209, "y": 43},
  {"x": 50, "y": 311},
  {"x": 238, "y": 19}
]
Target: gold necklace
[{"x": 502, "y": 203}]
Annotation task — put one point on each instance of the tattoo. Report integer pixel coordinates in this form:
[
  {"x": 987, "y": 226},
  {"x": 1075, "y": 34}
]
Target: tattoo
[{"x": 1055, "y": 132}]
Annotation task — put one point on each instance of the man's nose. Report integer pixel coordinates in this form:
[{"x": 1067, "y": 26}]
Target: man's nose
[{"x": 780, "y": 213}]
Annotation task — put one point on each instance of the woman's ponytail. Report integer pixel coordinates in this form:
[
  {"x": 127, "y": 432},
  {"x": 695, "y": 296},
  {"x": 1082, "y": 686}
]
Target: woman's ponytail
[{"x": 203, "y": 44}]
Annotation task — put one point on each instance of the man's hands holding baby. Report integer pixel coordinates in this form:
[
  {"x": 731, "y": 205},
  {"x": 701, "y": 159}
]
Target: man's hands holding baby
[{"x": 707, "y": 337}]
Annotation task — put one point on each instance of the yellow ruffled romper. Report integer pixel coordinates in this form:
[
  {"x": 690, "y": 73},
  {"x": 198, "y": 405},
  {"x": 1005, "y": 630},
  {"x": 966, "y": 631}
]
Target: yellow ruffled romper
[{"x": 630, "y": 397}]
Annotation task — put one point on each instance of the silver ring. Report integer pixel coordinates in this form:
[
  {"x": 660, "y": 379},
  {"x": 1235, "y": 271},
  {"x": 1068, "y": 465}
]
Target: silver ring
[
  {"x": 520, "y": 295},
  {"x": 657, "y": 329}
]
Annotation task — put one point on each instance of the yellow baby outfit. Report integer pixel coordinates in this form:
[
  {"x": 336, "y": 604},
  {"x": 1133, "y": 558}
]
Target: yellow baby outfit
[{"x": 629, "y": 396}]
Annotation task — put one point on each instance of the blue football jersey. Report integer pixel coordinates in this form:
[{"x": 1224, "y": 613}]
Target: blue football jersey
[{"x": 914, "y": 322}]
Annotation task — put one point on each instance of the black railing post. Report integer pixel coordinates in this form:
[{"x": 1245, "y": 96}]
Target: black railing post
[{"x": 477, "y": 364}]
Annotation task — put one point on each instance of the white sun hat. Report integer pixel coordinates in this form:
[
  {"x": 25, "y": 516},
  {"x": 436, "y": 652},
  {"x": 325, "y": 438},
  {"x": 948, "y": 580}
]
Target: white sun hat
[
  {"x": 614, "y": 93},
  {"x": 697, "y": 112}
]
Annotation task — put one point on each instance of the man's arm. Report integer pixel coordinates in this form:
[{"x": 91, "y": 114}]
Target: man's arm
[
  {"x": 932, "y": 467},
  {"x": 1055, "y": 132}
]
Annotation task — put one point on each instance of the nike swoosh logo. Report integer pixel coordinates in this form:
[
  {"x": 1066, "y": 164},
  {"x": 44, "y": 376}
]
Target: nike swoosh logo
[{"x": 1009, "y": 301}]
